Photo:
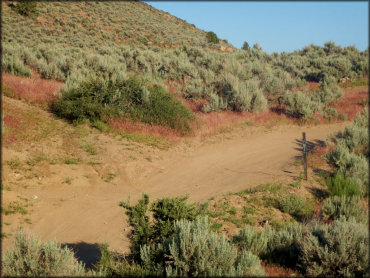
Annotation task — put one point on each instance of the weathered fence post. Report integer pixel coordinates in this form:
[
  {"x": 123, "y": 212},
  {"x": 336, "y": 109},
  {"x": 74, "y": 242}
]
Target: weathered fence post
[{"x": 304, "y": 156}]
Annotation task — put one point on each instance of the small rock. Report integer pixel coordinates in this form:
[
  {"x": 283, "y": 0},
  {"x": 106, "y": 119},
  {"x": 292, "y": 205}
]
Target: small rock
[{"x": 35, "y": 197}]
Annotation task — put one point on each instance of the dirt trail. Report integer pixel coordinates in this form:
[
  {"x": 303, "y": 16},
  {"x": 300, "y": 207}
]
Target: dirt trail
[
  {"x": 236, "y": 164},
  {"x": 86, "y": 212}
]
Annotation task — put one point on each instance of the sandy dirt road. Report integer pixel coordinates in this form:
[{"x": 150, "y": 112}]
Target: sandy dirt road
[
  {"x": 86, "y": 213},
  {"x": 236, "y": 164}
]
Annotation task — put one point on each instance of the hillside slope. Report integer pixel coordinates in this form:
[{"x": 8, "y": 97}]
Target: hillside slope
[{"x": 100, "y": 22}]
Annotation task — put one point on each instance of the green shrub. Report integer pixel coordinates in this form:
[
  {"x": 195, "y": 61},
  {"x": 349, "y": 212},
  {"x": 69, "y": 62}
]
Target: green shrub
[
  {"x": 340, "y": 185},
  {"x": 343, "y": 117},
  {"x": 195, "y": 89},
  {"x": 348, "y": 207},
  {"x": 33, "y": 258},
  {"x": 341, "y": 249},
  {"x": 166, "y": 211},
  {"x": 139, "y": 221},
  {"x": 252, "y": 240},
  {"x": 27, "y": 8},
  {"x": 352, "y": 151},
  {"x": 212, "y": 37},
  {"x": 245, "y": 46},
  {"x": 292, "y": 204},
  {"x": 299, "y": 105},
  {"x": 274, "y": 246},
  {"x": 99, "y": 100},
  {"x": 110, "y": 265},
  {"x": 330, "y": 113},
  {"x": 197, "y": 251},
  {"x": 329, "y": 91},
  {"x": 14, "y": 65},
  {"x": 296, "y": 206}
]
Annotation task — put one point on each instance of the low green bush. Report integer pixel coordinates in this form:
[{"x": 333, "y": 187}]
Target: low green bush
[
  {"x": 32, "y": 258},
  {"x": 340, "y": 249},
  {"x": 98, "y": 100},
  {"x": 330, "y": 113},
  {"x": 335, "y": 207},
  {"x": 296, "y": 206},
  {"x": 111, "y": 265},
  {"x": 340, "y": 185}
]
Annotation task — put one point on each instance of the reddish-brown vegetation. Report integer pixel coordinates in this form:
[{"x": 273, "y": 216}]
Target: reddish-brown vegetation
[
  {"x": 350, "y": 103},
  {"x": 212, "y": 121},
  {"x": 172, "y": 85},
  {"x": 313, "y": 86},
  {"x": 277, "y": 271},
  {"x": 35, "y": 90},
  {"x": 10, "y": 121},
  {"x": 130, "y": 126},
  {"x": 314, "y": 157}
]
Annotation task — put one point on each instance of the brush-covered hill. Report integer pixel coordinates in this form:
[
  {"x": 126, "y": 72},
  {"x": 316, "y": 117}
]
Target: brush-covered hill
[
  {"x": 115, "y": 62},
  {"x": 92, "y": 23}
]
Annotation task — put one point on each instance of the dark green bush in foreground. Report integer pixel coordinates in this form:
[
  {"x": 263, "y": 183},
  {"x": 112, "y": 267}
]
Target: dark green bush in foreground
[
  {"x": 165, "y": 212},
  {"x": 99, "y": 100},
  {"x": 340, "y": 185}
]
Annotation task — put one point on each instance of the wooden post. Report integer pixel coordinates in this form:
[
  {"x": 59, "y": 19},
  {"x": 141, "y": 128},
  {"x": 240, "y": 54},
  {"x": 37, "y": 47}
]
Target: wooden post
[{"x": 304, "y": 156}]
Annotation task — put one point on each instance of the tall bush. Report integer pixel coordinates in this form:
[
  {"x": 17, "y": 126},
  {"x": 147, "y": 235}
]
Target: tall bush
[
  {"x": 168, "y": 210},
  {"x": 139, "y": 221},
  {"x": 300, "y": 105},
  {"x": 165, "y": 212},
  {"x": 351, "y": 154}
]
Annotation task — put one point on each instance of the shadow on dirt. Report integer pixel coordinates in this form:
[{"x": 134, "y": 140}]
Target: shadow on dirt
[
  {"x": 319, "y": 193},
  {"x": 88, "y": 253},
  {"x": 310, "y": 146}
]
